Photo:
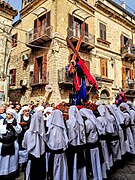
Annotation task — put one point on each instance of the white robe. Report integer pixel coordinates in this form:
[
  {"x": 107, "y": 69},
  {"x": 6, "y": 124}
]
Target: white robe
[
  {"x": 60, "y": 167},
  {"x": 92, "y": 137},
  {"x": 130, "y": 147},
  {"x": 9, "y": 164},
  {"x": 56, "y": 139},
  {"x": 76, "y": 135},
  {"x": 101, "y": 126}
]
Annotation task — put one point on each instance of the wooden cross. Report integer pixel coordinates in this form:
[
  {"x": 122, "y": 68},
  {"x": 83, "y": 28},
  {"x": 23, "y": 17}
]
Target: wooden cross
[
  {"x": 77, "y": 48},
  {"x": 76, "y": 54}
]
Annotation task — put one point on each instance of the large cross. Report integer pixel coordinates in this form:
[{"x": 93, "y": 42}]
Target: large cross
[{"x": 80, "y": 62}]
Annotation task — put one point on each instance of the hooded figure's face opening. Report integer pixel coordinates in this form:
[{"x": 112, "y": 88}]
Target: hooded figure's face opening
[{"x": 122, "y": 108}]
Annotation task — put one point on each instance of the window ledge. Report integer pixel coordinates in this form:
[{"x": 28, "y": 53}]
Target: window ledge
[
  {"x": 12, "y": 85},
  {"x": 38, "y": 84},
  {"x": 105, "y": 79},
  {"x": 104, "y": 42}
]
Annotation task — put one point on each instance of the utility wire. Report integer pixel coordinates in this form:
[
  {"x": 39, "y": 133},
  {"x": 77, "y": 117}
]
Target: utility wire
[{"x": 13, "y": 27}]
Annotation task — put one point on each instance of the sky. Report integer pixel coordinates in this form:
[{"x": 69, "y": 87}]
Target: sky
[{"x": 17, "y": 4}]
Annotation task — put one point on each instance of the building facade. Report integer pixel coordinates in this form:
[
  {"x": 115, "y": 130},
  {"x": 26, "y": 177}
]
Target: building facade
[
  {"x": 40, "y": 52},
  {"x": 7, "y": 14}
]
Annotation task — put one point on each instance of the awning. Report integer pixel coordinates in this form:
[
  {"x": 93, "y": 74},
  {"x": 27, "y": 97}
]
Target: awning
[
  {"x": 81, "y": 14},
  {"x": 39, "y": 11}
]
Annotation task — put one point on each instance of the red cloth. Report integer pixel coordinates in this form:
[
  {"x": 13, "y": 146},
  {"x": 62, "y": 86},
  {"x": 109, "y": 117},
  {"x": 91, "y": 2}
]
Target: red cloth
[
  {"x": 77, "y": 82},
  {"x": 87, "y": 73}
]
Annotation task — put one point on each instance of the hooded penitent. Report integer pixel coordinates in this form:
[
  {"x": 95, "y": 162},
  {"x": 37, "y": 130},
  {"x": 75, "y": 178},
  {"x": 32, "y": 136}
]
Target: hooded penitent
[
  {"x": 34, "y": 138},
  {"x": 76, "y": 129},
  {"x": 56, "y": 136}
]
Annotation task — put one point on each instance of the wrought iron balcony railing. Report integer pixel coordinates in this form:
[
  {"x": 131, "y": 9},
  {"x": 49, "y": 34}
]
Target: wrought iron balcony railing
[
  {"x": 131, "y": 84},
  {"x": 34, "y": 80},
  {"x": 73, "y": 34},
  {"x": 64, "y": 77},
  {"x": 41, "y": 34}
]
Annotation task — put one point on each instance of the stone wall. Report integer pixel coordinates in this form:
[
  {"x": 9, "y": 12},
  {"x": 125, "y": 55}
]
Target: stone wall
[{"x": 58, "y": 52}]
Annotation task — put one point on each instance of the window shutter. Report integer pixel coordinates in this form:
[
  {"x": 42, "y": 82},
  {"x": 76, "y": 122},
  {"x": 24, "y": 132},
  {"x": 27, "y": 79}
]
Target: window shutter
[
  {"x": 122, "y": 40},
  {"x": 124, "y": 77},
  {"x": 102, "y": 28},
  {"x": 44, "y": 68},
  {"x": 36, "y": 71},
  {"x": 35, "y": 28},
  {"x": 101, "y": 32},
  {"x": 103, "y": 64},
  {"x": 131, "y": 74},
  {"x": 35, "y": 25},
  {"x": 39, "y": 27},
  {"x": 14, "y": 77},
  {"x": 15, "y": 41},
  {"x": 70, "y": 21},
  {"x": 48, "y": 21},
  {"x": 104, "y": 32},
  {"x": 48, "y": 18},
  {"x": 86, "y": 29}
]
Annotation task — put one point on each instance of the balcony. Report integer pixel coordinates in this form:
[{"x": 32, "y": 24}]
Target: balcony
[
  {"x": 41, "y": 35},
  {"x": 98, "y": 80},
  {"x": 64, "y": 79},
  {"x": 36, "y": 81},
  {"x": 128, "y": 85},
  {"x": 88, "y": 41},
  {"x": 131, "y": 84},
  {"x": 101, "y": 80},
  {"x": 128, "y": 52}
]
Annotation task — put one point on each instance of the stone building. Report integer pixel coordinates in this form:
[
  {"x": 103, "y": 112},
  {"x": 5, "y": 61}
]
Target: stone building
[
  {"x": 37, "y": 67},
  {"x": 114, "y": 49},
  {"x": 7, "y": 14}
]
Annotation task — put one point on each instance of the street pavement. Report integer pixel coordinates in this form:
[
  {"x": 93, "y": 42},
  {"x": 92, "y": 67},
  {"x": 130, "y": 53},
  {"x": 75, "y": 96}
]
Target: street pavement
[{"x": 122, "y": 170}]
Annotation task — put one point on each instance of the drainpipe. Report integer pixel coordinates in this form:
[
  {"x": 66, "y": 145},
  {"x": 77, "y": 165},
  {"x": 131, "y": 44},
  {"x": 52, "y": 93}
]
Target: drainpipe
[
  {"x": 5, "y": 64},
  {"x": 5, "y": 60}
]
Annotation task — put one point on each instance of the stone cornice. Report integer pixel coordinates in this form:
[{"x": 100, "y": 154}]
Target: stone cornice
[
  {"x": 31, "y": 7},
  {"x": 106, "y": 49},
  {"x": 7, "y": 12},
  {"x": 87, "y": 6},
  {"x": 5, "y": 7},
  {"x": 114, "y": 15},
  {"x": 82, "y": 3}
]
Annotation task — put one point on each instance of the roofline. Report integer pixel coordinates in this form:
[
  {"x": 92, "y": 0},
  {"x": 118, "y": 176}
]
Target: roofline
[
  {"x": 121, "y": 8},
  {"x": 6, "y": 5}
]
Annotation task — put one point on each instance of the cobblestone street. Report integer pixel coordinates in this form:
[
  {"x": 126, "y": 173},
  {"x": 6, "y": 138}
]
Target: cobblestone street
[{"x": 123, "y": 170}]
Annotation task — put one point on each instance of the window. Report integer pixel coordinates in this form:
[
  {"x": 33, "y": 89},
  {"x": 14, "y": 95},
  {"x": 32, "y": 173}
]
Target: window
[
  {"x": 40, "y": 70},
  {"x": 132, "y": 74},
  {"x": 103, "y": 65},
  {"x": 41, "y": 24},
  {"x": 14, "y": 40},
  {"x": 74, "y": 26},
  {"x": 12, "y": 79},
  {"x": 126, "y": 42},
  {"x": 77, "y": 27},
  {"x": 39, "y": 61},
  {"x": 102, "y": 28}
]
